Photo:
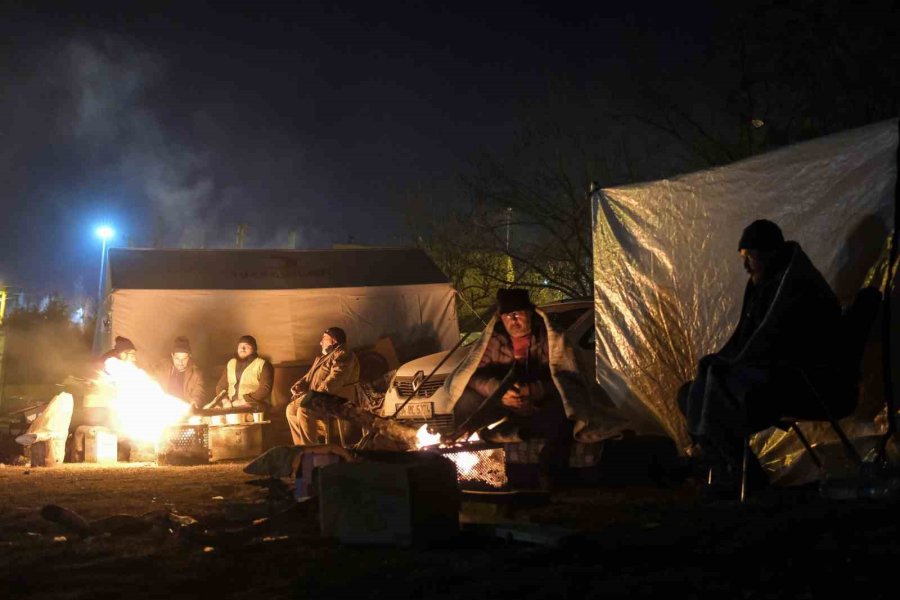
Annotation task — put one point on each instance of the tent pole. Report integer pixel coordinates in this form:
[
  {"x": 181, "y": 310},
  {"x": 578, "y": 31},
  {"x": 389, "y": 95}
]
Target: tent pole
[{"x": 887, "y": 359}]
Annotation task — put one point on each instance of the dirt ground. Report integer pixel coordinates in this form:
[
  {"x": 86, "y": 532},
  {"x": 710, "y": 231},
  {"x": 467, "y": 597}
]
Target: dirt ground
[{"x": 633, "y": 541}]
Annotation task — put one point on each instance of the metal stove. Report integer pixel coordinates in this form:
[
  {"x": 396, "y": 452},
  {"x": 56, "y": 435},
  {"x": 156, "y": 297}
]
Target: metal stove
[{"x": 184, "y": 445}]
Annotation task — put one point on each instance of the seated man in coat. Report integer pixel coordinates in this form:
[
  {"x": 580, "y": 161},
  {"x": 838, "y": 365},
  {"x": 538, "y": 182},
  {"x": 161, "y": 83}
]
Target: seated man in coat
[
  {"x": 335, "y": 371},
  {"x": 783, "y": 359},
  {"x": 180, "y": 376},
  {"x": 544, "y": 396}
]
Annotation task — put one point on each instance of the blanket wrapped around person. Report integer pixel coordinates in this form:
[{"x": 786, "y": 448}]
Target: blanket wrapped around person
[{"x": 594, "y": 417}]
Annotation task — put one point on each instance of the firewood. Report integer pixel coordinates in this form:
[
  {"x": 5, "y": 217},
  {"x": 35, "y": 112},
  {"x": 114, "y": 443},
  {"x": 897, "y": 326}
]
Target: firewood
[{"x": 335, "y": 406}]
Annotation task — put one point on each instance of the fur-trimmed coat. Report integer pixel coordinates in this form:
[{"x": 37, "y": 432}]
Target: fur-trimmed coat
[{"x": 594, "y": 419}]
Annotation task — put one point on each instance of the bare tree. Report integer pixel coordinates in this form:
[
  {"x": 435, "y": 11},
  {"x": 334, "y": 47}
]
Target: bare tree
[
  {"x": 523, "y": 219},
  {"x": 780, "y": 72}
]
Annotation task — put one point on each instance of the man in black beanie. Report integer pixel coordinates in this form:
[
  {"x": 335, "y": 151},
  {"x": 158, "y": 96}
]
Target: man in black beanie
[
  {"x": 783, "y": 356},
  {"x": 123, "y": 349},
  {"x": 247, "y": 379}
]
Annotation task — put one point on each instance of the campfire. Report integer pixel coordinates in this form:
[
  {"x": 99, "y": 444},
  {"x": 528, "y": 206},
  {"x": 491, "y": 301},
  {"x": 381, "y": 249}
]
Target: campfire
[
  {"x": 478, "y": 464},
  {"x": 140, "y": 411}
]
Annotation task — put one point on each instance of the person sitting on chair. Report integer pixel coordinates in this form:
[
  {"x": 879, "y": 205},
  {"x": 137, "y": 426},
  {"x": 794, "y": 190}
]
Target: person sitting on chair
[
  {"x": 335, "y": 371},
  {"x": 247, "y": 379},
  {"x": 783, "y": 359}
]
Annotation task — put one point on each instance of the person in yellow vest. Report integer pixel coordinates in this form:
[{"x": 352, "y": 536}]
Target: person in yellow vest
[
  {"x": 247, "y": 378},
  {"x": 335, "y": 371}
]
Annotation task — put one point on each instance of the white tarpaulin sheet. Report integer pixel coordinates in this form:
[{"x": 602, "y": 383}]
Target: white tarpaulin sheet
[
  {"x": 287, "y": 324},
  {"x": 668, "y": 279}
]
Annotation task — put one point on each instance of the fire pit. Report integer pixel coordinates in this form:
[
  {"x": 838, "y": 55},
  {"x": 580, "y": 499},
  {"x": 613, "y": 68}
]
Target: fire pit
[
  {"x": 234, "y": 433},
  {"x": 479, "y": 465},
  {"x": 184, "y": 445}
]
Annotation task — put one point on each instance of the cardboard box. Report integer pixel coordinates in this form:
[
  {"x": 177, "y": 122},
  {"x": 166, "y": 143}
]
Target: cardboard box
[{"x": 402, "y": 498}]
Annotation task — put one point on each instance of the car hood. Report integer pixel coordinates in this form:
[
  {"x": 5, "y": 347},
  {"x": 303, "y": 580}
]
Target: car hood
[{"x": 427, "y": 363}]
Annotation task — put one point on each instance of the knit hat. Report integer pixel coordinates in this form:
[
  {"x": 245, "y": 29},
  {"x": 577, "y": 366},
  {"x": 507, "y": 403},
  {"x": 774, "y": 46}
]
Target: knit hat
[
  {"x": 249, "y": 339},
  {"x": 761, "y": 235},
  {"x": 181, "y": 344},
  {"x": 123, "y": 344},
  {"x": 338, "y": 334},
  {"x": 509, "y": 300}
]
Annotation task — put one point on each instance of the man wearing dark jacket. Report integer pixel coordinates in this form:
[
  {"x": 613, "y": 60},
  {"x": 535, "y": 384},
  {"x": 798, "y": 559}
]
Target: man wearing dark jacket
[
  {"x": 783, "y": 359},
  {"x": 531, "y": 405},
  {"x": 247, "y": 378},
  {"x": 180, "y": 376}
]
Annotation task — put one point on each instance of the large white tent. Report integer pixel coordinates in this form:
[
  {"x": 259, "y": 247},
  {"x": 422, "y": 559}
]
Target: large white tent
[
  {"x": 284, "y": 298},
  {"x": 668, "y": 279}
]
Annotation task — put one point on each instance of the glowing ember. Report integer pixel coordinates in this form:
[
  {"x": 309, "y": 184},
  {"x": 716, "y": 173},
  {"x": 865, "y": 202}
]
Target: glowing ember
[
  {"x": 140, "y": 409},
  {"x": 465, "y": 462},
  {"x": 478, "y": 465}
]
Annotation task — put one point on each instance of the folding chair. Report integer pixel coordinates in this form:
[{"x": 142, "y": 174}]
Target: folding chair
[{"x": 856, "y": 323}]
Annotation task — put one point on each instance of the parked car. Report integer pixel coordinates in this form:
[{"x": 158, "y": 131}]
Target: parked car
[{"x": 432, "y": 405}]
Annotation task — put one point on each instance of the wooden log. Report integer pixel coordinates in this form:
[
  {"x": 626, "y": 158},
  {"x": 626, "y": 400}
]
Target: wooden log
[{"x": 335, "y": 406}]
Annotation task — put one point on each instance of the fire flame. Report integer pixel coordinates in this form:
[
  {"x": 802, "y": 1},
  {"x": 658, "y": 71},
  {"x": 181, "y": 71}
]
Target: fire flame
[
  {"x": 465, "y": 461},
  {"x": 426, "y": 438},
  {"x": 141, "y": 411}
]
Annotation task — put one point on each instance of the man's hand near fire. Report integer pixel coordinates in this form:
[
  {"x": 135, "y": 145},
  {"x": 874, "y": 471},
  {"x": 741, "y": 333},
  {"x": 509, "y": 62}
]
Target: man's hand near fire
[
  {"x": 221, "y": 398},
  {"x": 518, "y": 399}
]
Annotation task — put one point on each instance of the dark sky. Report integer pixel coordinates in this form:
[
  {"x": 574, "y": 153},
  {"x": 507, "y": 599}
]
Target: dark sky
[{"x": 176, "y": 122}]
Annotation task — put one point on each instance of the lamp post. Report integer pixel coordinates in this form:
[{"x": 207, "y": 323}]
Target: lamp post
[{"x": 105, "y": 233}]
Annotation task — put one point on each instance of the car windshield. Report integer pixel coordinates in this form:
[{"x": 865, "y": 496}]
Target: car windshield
[{"x": 565, "y": 319}]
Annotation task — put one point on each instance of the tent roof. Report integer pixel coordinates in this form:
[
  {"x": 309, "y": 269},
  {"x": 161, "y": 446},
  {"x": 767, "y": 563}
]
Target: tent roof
[{"x": 157, "y": 269}]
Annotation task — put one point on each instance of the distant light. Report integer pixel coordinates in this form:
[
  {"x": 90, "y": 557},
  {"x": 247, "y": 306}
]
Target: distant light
[
  {"x": 105, "y": 233},
  {"x": 757, "y": 123}
]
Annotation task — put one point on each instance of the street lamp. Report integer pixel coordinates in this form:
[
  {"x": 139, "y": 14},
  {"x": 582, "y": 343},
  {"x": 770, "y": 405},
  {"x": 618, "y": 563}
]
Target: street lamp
[{"x": 105, "y": 233}]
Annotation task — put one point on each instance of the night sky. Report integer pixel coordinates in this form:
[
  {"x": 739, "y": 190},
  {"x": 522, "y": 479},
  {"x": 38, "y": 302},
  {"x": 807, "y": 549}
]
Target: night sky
[{"x": 175, "y": 123}]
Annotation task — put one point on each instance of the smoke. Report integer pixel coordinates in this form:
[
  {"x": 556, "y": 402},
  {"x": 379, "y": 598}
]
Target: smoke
[{"x": 116, "y": 88}]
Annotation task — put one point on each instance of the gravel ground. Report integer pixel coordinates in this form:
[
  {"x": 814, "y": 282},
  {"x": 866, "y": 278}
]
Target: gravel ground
[{"x": 633, "y": 541}]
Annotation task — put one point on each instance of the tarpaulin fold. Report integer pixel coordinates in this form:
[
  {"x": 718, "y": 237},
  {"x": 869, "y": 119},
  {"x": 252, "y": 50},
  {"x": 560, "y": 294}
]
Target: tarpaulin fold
[{"x": 668, "y": 280}]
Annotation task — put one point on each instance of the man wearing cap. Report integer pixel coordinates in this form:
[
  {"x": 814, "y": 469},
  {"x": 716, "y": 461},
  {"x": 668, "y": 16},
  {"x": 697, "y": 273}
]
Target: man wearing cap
[
  {"x": 247, "y": 378},
  {"x": 180, "y": 376},
  {"x": 532, "y": 404},
  {"x": 335, "y": 371},
  {"x": 783, "y": 356}
]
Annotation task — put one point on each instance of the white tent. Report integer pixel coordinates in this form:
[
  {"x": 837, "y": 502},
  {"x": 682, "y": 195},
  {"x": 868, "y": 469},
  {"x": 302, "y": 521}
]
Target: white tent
[
  {"x": 284, "y": 298},
  {"x": 668, "y": 279}
]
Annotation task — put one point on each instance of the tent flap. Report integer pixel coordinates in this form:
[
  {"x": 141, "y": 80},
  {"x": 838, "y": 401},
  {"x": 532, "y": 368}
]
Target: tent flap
[{"x": 668, "y": 280}]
